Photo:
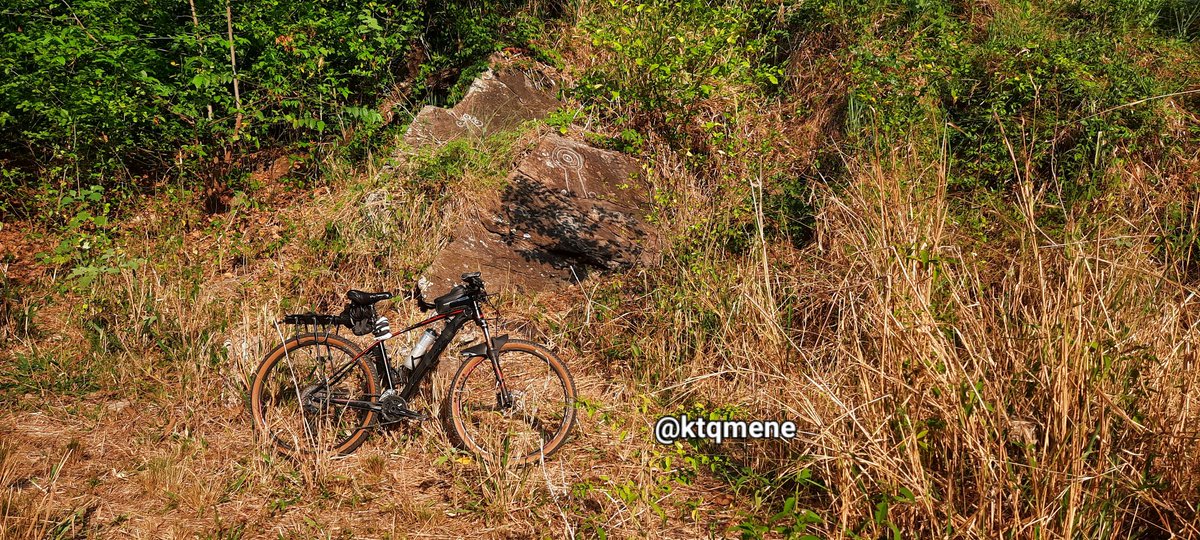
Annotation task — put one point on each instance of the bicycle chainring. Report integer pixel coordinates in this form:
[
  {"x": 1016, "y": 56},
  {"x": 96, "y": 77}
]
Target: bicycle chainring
[{"x": 394, "y": 408}]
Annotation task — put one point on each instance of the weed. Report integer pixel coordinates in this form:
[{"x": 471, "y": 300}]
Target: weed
[
  {"x": 789, "y": 522},
  {"x": 17, "y": 311}
]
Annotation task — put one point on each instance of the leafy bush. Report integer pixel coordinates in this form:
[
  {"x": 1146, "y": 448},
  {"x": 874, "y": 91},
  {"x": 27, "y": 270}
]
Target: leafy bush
[
  {"x": 123, "y": 93},
  {"x": 1033, "y": 83},
  {"x": 666, "y": 58},
  {"x": 107, "y": 90}
]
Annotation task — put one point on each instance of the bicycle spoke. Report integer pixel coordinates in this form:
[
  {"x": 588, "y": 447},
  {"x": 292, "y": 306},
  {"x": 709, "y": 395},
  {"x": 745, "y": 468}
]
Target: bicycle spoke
[
  {"x": 311, "y": 412},
  {"x": 520, "y": 432}
]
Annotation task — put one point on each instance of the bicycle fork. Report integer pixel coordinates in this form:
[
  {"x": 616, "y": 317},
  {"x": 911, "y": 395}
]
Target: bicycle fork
[{"x": 504, "y": 399}]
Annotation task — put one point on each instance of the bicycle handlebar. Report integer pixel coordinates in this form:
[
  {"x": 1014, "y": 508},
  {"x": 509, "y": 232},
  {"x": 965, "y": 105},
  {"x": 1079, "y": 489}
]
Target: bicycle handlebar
[
  {"x": 420, "y": 298},
  {"x": 474, "y": 286}
]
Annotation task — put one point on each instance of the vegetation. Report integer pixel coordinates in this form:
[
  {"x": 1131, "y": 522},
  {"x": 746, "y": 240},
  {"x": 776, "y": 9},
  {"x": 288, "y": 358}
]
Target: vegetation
[
  {"x": 954, "y": 241},
  {"x": 138, "y": 95}
]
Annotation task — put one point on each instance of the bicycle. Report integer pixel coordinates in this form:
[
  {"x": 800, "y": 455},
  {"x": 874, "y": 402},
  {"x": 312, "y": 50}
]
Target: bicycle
[{"x": 320, "y": 392}]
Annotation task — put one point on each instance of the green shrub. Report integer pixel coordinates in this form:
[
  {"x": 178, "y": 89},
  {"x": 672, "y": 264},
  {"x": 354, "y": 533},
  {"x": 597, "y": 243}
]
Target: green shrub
[
  {"x": 667, "y": 57},
  {"x": 1038, "y": 84},
  {"x": 123, "y": 92},
  {"x": 115, "y": 89}
]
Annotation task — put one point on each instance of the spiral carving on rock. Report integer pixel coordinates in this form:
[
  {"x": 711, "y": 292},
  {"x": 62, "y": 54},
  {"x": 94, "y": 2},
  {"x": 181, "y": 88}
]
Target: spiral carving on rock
[
  {"x": 571, "y": 162},
  {"x": 568, "y": 158}
]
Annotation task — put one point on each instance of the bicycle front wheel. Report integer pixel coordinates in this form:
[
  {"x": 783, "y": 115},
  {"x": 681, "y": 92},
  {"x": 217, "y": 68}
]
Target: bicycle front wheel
[
  {"x": 536, "y": 422},
  {"x": 310, "y": 395}
]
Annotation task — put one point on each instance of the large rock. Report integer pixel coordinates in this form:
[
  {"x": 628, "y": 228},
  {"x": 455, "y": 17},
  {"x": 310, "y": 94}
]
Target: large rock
[
  {"x": 496, "y": 101},
  {"x": 569, "y": 209}
]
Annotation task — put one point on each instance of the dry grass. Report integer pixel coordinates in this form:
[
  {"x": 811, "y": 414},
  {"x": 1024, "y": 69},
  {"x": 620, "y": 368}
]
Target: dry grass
[
  {"x": 159, "y": 441},
  {"x": 1035, "y": 382}
]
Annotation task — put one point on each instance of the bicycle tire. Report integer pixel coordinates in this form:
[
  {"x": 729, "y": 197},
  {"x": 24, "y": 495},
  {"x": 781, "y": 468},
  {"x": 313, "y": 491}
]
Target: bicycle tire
[
  {"x": 539, "y": 392},
  {"x": 277, "y": 379}
]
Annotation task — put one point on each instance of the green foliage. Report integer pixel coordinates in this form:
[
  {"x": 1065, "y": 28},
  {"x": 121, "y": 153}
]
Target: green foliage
[
  {"x": 667, "y": 57},
  {"x": 461, "y": 36},
  {"x": 103, "y": 99},
  {"x": 1059, "y": 96},
  {"x": 1038, "y": 84},
  {"x": 41, "y": 372},
  {"x": 789, "y": 522},
  {"x": 125, "y": 92},
  {"x": 86, "y": 225},
  {"x": 86, "y": 240},
  {"x": 789, "y": 209},
  {"x": 446, "y": 164},
  {"x": 1121, "y": 15},
  {"x": 628, "y": 141},
  {"x": 462, "y": 161},
  {"x": 562, "y": 120},
  {"x": 104, "y": 88},
  {"x": 883, "y": 505},
  {"x": 689, "y": 459}
]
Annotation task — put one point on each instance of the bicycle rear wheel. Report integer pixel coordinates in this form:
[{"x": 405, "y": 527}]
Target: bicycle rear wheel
[
  {"x": 300, "y": 392},
  {"x": 536, "y": 424}
]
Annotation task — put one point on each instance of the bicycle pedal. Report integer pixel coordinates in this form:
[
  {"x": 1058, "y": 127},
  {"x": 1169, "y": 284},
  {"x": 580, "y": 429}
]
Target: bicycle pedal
[
  {"x": 401, "y": 415},
  {"x": 420, "y": 417}
]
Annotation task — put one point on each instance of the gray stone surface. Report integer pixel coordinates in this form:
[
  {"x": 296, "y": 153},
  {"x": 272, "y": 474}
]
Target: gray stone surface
[{"x": 496, "y": 101}]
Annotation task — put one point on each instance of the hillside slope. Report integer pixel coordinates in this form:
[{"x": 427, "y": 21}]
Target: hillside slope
[{"x": 953, "y": 241}]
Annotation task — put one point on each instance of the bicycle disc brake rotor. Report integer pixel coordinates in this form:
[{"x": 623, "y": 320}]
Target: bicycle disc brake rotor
[{"x": 316, "y": 398}]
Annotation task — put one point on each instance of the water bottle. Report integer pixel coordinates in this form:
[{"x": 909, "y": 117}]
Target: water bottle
[{"x": 427, "y": 337}]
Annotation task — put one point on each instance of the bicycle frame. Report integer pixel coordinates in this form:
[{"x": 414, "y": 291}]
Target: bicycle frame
[{"x": 455, "y": 320}]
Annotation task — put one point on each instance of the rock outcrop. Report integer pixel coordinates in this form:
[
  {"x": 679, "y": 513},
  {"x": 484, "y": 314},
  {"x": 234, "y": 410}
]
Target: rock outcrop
[
  {"x": 496, "y": 101},
  {"x": 568, "y": 208}
]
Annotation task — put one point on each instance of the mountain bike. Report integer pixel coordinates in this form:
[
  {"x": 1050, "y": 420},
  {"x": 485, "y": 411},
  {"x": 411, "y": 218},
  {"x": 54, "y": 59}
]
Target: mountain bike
[{"x": 511, "y": 401}]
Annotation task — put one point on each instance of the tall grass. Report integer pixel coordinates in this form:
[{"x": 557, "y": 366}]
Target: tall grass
[
  {"x": 1040, "y": 386},
  {"x": 1034, "y": 383},
  {"x": 967, "y": 359}
]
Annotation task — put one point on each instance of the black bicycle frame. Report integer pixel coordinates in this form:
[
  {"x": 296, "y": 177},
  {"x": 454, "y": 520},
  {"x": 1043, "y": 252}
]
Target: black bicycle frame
[
  {"x": 457, "y": 319},
  {"x": 432, "y": 357}
]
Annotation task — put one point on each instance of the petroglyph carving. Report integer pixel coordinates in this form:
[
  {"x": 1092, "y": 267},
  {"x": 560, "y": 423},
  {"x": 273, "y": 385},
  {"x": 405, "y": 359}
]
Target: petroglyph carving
[
  {"x": 572, "y": 165},
  {"x": 466, "y": 119}
]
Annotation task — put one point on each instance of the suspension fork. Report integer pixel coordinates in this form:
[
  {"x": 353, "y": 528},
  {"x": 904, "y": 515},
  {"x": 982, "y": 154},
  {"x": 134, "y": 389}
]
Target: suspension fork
[{"x": 503, "y": 397}]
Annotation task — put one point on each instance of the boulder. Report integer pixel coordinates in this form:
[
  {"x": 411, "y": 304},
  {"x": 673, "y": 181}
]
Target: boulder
[
  {"x": 569, "y": 209},
  {"x": 495, "y": 101}
]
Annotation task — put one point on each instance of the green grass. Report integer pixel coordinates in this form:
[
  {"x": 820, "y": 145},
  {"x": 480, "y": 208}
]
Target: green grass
[{"x": 46, "y": 373}]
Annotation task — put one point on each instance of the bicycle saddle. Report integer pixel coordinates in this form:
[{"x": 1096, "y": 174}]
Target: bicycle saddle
[{"x": 366, "y": 298}]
